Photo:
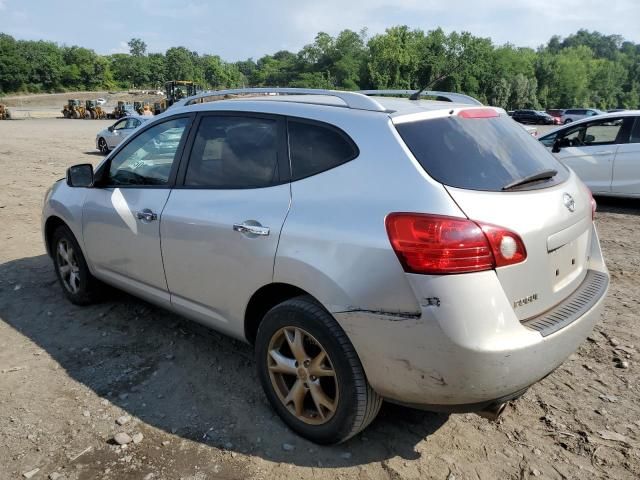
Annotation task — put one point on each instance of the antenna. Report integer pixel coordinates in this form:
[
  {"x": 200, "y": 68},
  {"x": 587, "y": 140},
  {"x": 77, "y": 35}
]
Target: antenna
[{"x": 416, "y": 95}]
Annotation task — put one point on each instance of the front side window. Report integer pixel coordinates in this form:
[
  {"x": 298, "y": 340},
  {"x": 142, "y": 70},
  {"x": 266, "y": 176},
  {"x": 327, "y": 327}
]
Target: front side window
[
  {"x": 234, "y": 152},
  {"x": 592, "y": 134},
  {"x": 148, "y": 158},
  {"x": 132, "y": 123},
  {"x": 121, "y": 124},
  {"x": 315, "y": 148}
]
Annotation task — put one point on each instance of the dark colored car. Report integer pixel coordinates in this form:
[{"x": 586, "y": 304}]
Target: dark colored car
[{"x": 533, "y": 116}]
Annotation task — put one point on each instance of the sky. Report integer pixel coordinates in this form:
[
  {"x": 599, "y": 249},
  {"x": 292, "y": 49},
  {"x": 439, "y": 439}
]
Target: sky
[{"x": 240, "y": 29}]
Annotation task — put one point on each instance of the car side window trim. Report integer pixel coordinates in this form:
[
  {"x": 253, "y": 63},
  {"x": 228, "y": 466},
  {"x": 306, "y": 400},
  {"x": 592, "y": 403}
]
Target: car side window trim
[
  {"x": 634, "y": 130},
  {"x": 103, "y": 169},
  {"x": 328, "y": 126},
  {"x": 284, "y": 172}
]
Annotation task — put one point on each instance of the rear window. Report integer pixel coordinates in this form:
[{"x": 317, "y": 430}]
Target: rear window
[{"x": 479, "y": 153}]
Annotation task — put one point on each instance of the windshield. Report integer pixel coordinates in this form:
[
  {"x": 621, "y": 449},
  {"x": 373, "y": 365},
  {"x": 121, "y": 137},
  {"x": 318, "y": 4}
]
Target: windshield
[{"x": 479, "y": 153}]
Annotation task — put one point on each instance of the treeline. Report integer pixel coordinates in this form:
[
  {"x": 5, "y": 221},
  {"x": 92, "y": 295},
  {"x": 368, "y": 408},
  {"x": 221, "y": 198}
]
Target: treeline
[{"x": 587, "y": 69}]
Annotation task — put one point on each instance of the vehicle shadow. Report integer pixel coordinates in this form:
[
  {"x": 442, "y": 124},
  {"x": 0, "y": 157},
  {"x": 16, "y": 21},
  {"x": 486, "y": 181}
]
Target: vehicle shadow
[
  {"x": 628, "y": 206},
  {"x": 180, "y": 377}
]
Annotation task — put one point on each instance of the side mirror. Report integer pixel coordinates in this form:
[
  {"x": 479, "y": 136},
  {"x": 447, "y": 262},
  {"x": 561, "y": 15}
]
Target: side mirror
[
  {"x": 80, "y": 175},
  {"x": 110, "y": 128},
  {"x": 556, "y": 146}
]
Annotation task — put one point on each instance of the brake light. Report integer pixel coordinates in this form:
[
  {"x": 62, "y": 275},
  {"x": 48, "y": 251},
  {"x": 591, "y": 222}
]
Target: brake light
[
  {"x": 435, "y": 244},
  {"x": 478, "y": 113}
]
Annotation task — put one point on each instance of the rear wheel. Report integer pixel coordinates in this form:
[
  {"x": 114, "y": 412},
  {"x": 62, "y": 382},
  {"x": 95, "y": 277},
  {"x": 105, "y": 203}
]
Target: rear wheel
[
  {"x": 311, "y": 373},
  {"x": 568, "y": 120},
  {"x": 78, "y": 285}
]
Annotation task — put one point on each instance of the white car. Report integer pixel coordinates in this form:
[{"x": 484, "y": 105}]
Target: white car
[
  {"x": 101, "y": 101},
  {"x": 604, "y": 151},
  {"x": 574, "y": 114},
  {"x": 109, "y": 138}
]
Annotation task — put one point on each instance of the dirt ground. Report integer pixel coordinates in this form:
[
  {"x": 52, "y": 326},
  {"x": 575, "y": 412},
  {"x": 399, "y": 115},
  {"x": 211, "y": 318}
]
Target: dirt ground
[{"x": 68, "y": 373}]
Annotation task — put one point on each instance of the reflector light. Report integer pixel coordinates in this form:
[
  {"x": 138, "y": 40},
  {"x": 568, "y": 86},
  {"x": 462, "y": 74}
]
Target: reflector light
[{"x": 508, "y": 247}]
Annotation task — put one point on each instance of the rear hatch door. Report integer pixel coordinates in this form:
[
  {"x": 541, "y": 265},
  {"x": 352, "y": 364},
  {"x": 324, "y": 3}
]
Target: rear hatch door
[{"x": 499, "y": 174}]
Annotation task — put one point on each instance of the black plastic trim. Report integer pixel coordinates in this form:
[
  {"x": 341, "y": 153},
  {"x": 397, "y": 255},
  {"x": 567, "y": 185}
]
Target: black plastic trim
[{"x": 592, "y": 288}]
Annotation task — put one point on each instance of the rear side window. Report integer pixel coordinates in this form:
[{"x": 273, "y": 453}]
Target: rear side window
[
  {"x": 314, "y": 148},
  {"x": 234, "y": 152},
  {"x": 478, "y": 153}
]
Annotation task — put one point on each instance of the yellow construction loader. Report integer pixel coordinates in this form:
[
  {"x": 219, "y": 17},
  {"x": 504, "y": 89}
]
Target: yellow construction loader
[
  {"x": 175, "y": 90},
  {"x": 94, "y": 111},
  {"x": 4, "y": 112},
  {"x": 73, "y": 109}
]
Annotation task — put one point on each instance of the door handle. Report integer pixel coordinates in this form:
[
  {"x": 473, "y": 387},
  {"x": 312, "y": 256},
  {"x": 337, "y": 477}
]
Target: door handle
[
  {"x": 147, "y": 215},
  {"x": 251, "y": 229}
]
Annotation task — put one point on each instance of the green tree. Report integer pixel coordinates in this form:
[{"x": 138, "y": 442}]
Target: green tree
[
  {"x": 137, "y": 47},
  {"x": 180, "y": 64}
]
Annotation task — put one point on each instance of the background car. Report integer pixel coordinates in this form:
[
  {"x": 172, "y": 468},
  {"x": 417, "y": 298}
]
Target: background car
[
  {"x": 604, "y": 151},
  {"x": 533, "y": 116},
  {"x": 101, "y": 101},
  {"x": 556, "y": 113},
  {"x": 109, "y": 138},
  {"x": 573, "y": 114}
]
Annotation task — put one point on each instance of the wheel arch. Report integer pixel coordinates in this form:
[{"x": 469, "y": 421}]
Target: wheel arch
[
  {"x": 50, "y": 226},
  {"x": 263, "y": 300}
]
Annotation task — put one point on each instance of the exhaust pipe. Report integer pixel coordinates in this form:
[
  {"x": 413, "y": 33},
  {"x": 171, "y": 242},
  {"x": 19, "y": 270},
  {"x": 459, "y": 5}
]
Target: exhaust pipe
[{"x": 493, "y": 411}]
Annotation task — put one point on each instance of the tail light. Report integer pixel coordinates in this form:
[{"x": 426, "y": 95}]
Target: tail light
[
  {"x": 435, "y": 244},
  {"x": 594, "y": 205}
]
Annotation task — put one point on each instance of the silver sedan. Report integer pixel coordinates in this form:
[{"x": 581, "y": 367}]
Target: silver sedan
[{"x": 109, "y": 138}]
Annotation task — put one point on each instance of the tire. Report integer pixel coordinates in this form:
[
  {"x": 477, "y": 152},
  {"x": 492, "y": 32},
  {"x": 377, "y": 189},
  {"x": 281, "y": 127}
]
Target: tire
[
  {"x": 102, "y": 146},
  {"x": 355, "y": 404},
  {"x": 568, "y": 120},
  {"x": 87, "y": 287}
]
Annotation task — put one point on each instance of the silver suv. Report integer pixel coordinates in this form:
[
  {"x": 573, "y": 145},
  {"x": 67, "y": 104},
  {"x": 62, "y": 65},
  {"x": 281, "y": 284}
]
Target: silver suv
[{"x": 427, "y": 253}]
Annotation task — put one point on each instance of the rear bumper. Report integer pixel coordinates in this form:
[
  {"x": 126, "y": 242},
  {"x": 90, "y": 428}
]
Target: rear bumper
[{"x": 467, "y": 348}]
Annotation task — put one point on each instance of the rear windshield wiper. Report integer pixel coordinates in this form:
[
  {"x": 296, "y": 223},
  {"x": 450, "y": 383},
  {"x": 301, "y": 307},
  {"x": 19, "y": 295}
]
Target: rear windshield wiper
[{"x": 543, "y": 175}]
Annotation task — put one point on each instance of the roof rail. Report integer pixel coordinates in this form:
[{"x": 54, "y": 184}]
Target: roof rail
[
  {"x": 353, "y": 100},
  {"x": 447, "y": 96}
]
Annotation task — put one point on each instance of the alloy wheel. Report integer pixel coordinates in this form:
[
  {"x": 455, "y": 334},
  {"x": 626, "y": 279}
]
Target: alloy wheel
[
  {"x": 102, "y": 144},
  {"x": 68, "y": 266},
  {"x": 302, "y": 375}
]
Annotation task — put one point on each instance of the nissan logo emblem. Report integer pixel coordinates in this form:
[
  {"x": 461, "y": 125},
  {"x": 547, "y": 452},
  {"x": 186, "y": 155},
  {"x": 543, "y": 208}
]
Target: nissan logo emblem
[{"x": 569, "y": 202}]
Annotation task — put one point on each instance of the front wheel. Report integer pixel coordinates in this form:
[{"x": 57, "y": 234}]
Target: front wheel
[
  {"x": 78, "y": 285},
  {"x": 102, "y": 146},
  {"x": 568, "y": 120},
  {"x": 311, "y": 373}
]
